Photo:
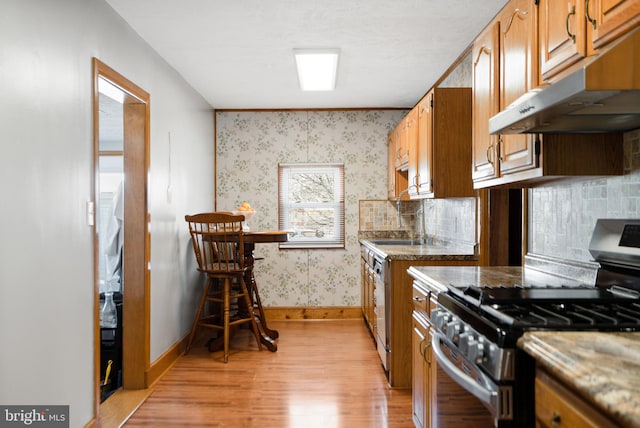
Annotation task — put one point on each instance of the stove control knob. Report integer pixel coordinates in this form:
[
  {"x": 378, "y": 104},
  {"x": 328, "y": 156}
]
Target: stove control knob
[
  {"x": 435, "y": 314},
  {"x": 465, "y": 340},
  {"x": 453, "y": 331},
  {"x": 476, "y": 351},
  {"x": 441, "y": 319}
]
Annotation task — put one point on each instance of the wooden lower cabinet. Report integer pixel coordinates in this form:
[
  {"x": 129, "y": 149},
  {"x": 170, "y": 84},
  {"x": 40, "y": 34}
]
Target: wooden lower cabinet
[
  {"x": 400, "y": 339},
  {"x": 421, "y": 361},
  {"x": 421, "y": 364},
  {"x": 368, "y": 301},
  {"x": 557, "y": 406}
]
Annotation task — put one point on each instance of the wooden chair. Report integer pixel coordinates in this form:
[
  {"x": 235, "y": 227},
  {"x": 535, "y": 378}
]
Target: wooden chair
[{"x": 218, "y": 244}]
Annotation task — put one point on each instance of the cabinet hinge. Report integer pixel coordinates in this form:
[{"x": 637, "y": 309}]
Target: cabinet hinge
[
  {"x": 536, "y": 2},
  {"x": 431, "y": 103},
  {"x": 536, "y": 147}
]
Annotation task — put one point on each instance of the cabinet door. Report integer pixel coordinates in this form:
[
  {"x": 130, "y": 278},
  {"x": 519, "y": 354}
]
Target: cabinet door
[
  {"x": 402, "y": 151},
  {"x": 412, "y": 150},
  {"x": 368, "y": 298},
  {"x": 518, "y": 75},
  {"x": 611, "y": 18},
  {"x": 420, "y": 380},
  {"x": 485, "y": 103},
  {"x": 425, "y": 144},
  {"x": 391, "y": 165},
  {"x": 563, "y": 39}
]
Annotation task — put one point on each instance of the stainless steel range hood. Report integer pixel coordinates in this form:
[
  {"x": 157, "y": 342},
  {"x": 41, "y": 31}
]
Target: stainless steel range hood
[{"x": 602, "y": 96}]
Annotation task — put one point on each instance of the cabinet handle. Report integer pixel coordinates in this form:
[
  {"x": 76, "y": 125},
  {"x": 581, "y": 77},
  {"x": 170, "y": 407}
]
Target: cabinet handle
[
  {"x": 424, "y": 353},
  {"x": 573, "y": 12},
  {"x": 418, "y": 299},
  {"x": 586, "y": 14},
  {"x": 556, "y": 420},
  {"x": 488, "y": 153},
  {"x": 422, "y": 348}
]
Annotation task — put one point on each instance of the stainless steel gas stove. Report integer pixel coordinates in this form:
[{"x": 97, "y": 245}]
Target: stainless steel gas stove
[{"x": 476, "y": 327}]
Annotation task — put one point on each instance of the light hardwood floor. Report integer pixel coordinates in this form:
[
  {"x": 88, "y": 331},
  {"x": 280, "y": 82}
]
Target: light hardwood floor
[{"x": 325, "y": 374}]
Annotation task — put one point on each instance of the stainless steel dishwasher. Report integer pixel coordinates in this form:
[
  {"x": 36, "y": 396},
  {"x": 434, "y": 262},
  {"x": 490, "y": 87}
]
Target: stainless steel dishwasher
[{"x": 381, "y": 295}]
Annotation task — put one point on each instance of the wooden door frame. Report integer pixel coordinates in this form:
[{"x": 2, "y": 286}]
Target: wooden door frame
[{"x": 136, "y": 319}]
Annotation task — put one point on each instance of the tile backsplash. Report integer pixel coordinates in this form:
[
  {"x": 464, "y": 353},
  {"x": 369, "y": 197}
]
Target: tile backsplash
[
  {"x": 562, "y": 216},
  {"x": 444, "y": 219}
]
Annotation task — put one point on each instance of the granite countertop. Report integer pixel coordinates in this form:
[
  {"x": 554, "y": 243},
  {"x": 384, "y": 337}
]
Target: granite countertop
[
  {"x": 428, "y": 251},
  {"x": 603, "y": 367},
  {"x": 438, "y": 277}
]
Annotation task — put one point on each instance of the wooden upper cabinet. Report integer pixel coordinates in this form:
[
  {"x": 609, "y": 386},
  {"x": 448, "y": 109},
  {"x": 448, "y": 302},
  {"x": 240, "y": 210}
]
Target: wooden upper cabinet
[
  {"x": 391, "y": 165},
  {"x": 424, "y": 177},
  {"x": 518, "y": 75},
  {"x": 573, "y": 30},
  {"x": 485, "y": 102},
  {"x": 563, "y": 35},
  {"x": 451, "y": 141},
  {"x": 402, "y": 149},
  {"x": 397, "y": 159},
  {"x": 505, "y": 67},
  {"x": 412, "y": 149},
  {"x": 611, "y": 19},
  {"x": 439, "y": 157}
]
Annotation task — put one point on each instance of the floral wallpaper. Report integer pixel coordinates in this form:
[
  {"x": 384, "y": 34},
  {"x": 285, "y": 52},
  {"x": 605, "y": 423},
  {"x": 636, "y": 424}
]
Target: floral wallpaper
[{"x": 249, "y": 146}]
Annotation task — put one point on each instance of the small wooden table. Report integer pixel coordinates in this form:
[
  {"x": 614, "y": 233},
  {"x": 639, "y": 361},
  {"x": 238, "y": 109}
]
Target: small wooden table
[{"x": 251, "y": 238}]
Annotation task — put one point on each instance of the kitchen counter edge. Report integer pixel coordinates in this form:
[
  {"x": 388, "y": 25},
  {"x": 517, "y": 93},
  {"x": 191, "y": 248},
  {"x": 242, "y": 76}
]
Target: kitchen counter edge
[
  {"x": 603, "y": 367},
  {"x": 432, "y": 252}
]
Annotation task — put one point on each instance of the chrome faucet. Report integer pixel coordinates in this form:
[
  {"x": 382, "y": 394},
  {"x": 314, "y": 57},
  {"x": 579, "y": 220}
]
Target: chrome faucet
[
  {"x": 404, "y": 192},
  {"x": 422, "y": 229}
]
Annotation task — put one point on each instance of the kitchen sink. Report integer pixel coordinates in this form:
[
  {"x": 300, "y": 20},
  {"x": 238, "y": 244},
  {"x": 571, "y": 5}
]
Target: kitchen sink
[{"x": 396, "y": 242}]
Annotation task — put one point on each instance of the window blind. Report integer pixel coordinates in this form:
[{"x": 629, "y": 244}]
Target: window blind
[{"x": 311, "y": 204}]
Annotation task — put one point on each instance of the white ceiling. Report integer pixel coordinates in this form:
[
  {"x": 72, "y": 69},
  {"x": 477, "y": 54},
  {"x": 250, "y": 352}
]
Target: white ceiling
[{"x": 238, "y": 53}]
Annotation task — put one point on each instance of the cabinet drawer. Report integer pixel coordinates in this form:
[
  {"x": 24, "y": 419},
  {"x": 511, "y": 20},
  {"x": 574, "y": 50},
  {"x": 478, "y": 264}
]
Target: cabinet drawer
[{"x": 558, "y": 407}]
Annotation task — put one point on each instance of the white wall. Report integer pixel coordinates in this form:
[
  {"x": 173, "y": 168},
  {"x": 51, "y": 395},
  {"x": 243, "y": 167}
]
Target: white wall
[{"x": 46, "y": 247}]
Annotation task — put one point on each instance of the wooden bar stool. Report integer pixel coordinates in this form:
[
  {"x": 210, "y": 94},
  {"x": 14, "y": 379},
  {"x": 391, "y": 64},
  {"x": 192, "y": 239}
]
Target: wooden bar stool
[{"x": 218, "y": 244}]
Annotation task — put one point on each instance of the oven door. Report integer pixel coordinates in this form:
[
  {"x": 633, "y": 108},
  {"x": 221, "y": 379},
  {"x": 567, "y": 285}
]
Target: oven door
[{"x": 464, "y": 395}]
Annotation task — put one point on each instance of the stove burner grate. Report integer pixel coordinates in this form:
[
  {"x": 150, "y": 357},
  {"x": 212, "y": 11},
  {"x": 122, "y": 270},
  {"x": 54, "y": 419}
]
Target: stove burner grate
[{"x": 584, "y": 315}]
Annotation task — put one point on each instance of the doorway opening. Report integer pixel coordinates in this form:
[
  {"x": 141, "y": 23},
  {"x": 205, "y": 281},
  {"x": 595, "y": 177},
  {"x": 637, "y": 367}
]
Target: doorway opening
[
  {"x": 502, "y": 227},
  {"x": 121, "y": 246}
]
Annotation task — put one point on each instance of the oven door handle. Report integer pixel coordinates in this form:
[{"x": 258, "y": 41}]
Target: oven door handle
[{"x": 487, "y": 396}]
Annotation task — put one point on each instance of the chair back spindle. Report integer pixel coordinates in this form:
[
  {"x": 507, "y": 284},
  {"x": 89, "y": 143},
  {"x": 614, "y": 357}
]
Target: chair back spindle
[{"x": 217, "y": 242}]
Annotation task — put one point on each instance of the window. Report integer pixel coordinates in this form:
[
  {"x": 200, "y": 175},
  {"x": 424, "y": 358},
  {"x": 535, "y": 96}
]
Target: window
[{"x": 311, "y": 205}]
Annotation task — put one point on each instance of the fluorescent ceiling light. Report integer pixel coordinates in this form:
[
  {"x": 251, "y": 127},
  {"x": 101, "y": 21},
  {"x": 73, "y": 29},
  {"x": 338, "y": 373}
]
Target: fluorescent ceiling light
[{"x": 317, "y": 68}]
